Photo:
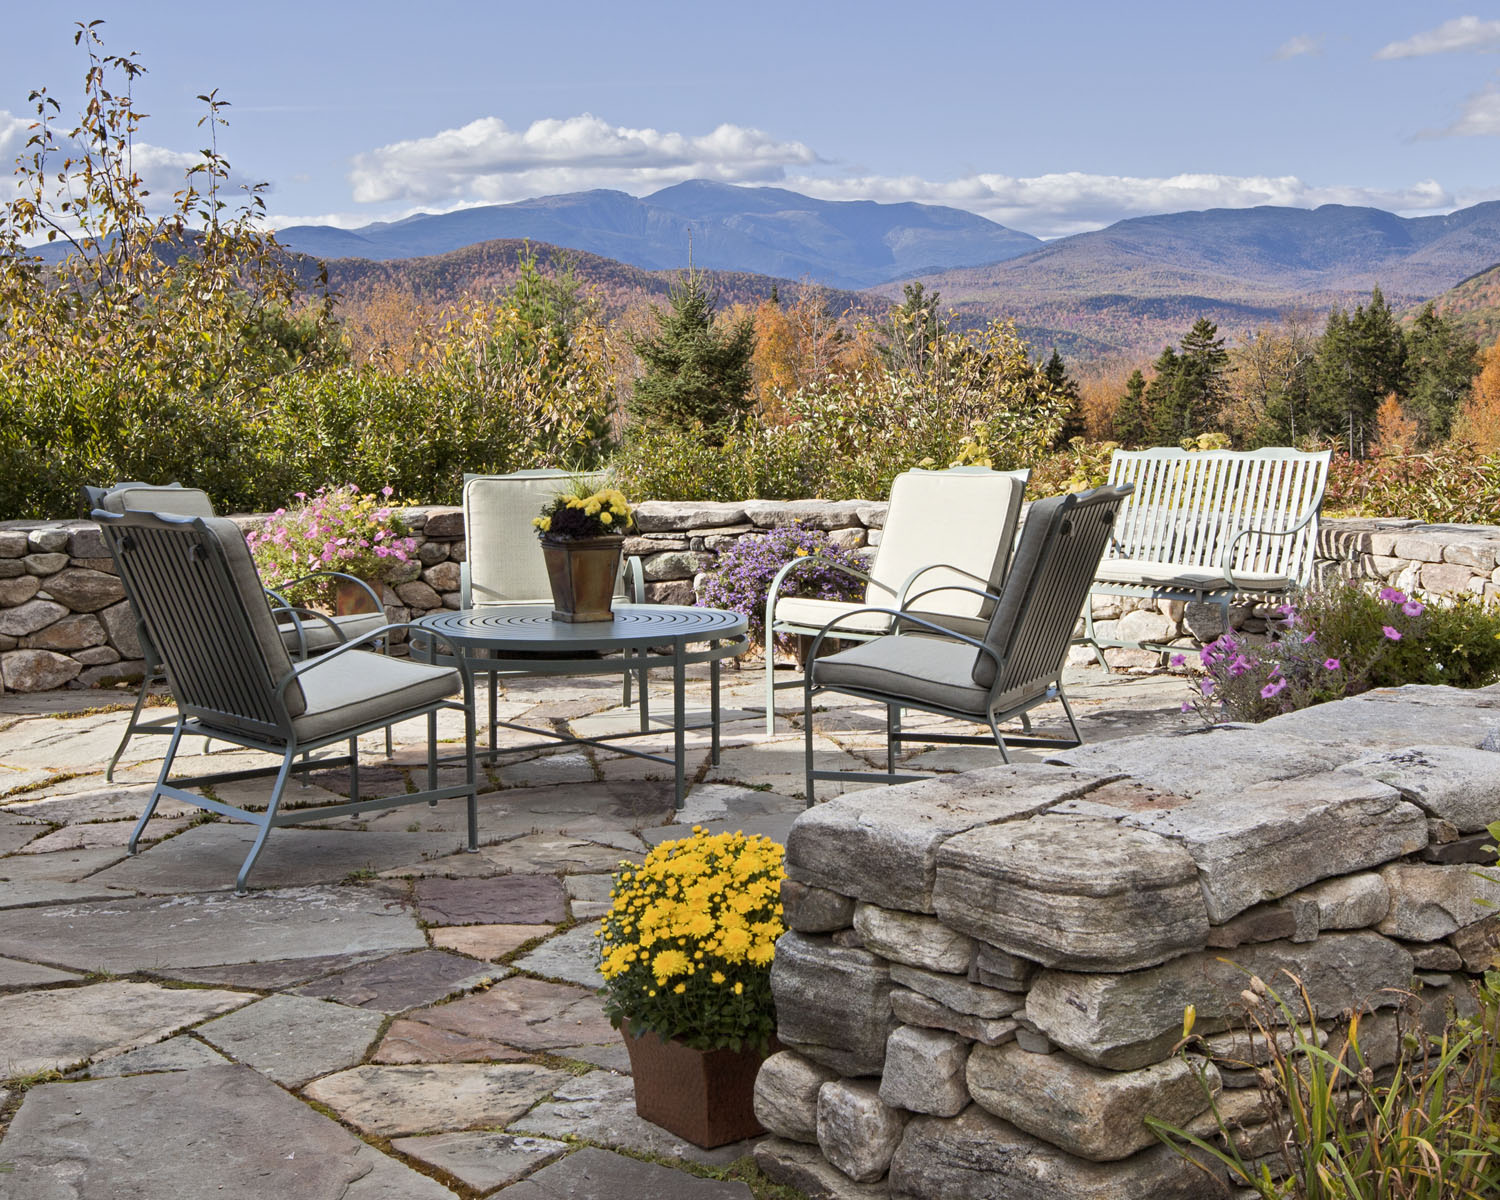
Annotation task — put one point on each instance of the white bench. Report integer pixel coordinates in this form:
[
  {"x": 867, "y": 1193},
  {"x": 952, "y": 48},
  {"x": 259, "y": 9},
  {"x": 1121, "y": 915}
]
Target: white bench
[{"x": 1209, "y": 525}]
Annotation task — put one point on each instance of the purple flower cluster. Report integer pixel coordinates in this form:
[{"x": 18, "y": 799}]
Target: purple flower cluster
[{"x": 741, "y": 579}]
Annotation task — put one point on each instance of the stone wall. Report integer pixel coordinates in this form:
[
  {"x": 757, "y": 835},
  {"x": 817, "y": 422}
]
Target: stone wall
[
  {"x": 63, "y": 621},
  {"x": 985, "y": 975}
]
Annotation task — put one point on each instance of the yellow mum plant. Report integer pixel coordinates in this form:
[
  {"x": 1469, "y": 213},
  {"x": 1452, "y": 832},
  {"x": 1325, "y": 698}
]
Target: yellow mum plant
[
  {"x": 687, "y": 945},
  {"x": 584, "y": 512}
]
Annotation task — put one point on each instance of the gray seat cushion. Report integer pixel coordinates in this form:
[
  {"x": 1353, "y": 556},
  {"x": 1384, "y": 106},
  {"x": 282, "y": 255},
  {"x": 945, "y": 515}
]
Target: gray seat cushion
[
  {"x": 1142, "y": 572},
  {"x": 360, "y": 688},
  {"x": 922, "y": 670},
  {"x": 320, "y": 636}
]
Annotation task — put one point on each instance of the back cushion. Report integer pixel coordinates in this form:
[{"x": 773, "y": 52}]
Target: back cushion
[
  {"x": 174, "y": 501},
  {"x": 505, "y": 558},
  {"x": 962, "y": 518}
]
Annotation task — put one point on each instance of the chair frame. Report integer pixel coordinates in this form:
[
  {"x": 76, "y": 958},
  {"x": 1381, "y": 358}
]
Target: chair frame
[
  {"x": 993, "y": 714},
  {"x": 900, "y": 596},
  {"x": 278, "y": 735}
]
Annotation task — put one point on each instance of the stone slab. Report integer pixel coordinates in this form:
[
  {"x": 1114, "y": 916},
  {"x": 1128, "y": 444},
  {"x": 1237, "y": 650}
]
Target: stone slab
[
  {"x": 572, "y": 957},
  {"x": 880, "y": 845},
  {"x": 509, "y": 900},
  {"x": 181, "y": 1053},
  {"x": 400, "y": 981},
  {"x": 484, "y": 1161},
  {"x": 913, "y": 1008},
  {"x": 16, "y": 976},
  {"x": 273, "y": 976},
  {"x": 293, "y": 1039},
  {"x": 207, "y": 858},
  {"x": 102, "y": 1139},
  {"x": 391, "y": 1100},
  {"x": 528, "y": 1014},
  {"x": 20, "y": 895},
  {"x": 1394, "y": 718},
  {"x": 60, "y": 866},
  {"x": 207, "y": 930},
  {"x": 594, "y": 1174},
  {"x": 917, "y": 941},
  {"x": 490, "y": 942},
  {"x": 804, "y": 1168},
  {"x": 1269, "y": 839},
  {"x": 1455, "y": 783},
  {"x": 600, "y": 1107},
  {"x": 55, "y": 1030},
  {"x": 1071, "y": 891},
  {"x": 1429, "y": 901}
]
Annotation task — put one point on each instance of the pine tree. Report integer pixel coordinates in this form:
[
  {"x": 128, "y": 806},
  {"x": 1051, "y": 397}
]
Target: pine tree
[
  {"x": 1066, "y": 387},
  {"x": 914, "y": 328},
  {"x": 1131, "y": 425},
  {"x": 1360, "y": 361},
  {"x": 1187, "y": 396},
  {"x": 697, "y": 370},
  {"x": 1440, "y": 366}
]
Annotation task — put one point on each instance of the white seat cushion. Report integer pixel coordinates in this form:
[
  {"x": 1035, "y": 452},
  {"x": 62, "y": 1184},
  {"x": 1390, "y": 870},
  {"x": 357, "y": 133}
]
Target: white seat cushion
[
  {"x": 804, "y": 613},
  {"x": 1140, "y": 572},
  {"x": 359, "y": 688}
]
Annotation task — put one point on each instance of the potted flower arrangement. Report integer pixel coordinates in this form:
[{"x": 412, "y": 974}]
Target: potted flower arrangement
[
  {"x": 686, "y": 952},
  {"x": 583, "y": 535},
  {"x": 337, "y": 531}
]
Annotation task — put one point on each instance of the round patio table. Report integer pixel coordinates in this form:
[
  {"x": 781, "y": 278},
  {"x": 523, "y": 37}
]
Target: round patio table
[{"x": 526, "y": 640}]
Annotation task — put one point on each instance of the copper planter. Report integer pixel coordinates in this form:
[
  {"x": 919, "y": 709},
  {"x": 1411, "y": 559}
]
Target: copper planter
[
  {"x": 583, "y": 572},
  {"x": 706, "y": 1097}
]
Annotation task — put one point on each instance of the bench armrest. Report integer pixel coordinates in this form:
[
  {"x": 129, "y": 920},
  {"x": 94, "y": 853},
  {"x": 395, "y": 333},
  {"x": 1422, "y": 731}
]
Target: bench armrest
[{"x": 1227, "y": 564}]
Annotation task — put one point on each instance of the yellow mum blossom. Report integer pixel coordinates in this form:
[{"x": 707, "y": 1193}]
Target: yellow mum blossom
[
  {"x": 606, "y": 517},
  {"x": 667, "y": 964}
]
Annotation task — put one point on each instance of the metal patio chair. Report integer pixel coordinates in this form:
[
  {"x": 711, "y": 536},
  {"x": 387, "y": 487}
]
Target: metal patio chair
[
  {"x": 304, "y": 631},
  {"x": 943, "y": 527},
  {"x": 1017, "y": 663},
  {"x": 503, "y": 564},
  {"x": 200, "y": 600}
]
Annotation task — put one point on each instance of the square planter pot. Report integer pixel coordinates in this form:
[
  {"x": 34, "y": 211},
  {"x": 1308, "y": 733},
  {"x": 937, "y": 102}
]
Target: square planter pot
[{"x": 703, "y": 1096}]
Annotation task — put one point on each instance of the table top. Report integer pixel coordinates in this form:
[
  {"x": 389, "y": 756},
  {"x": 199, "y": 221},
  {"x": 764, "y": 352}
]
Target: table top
[{"x": 531, "y": 627}]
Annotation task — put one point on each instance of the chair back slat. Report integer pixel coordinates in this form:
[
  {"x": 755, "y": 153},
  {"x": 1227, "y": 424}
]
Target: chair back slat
[
  {"x": 965, "y": 517},
  {"x": 194, "y": 584},
  {"x": 1061, "y": 544},
  {"x": 1188, "y": 507}
]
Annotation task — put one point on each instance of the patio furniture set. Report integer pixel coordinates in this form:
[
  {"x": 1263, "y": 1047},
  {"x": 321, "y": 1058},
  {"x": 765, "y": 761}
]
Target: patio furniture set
[{"x": 960, "y": 617}]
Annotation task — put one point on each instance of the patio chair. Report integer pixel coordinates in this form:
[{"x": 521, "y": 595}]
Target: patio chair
[
  {"x": 503, "y": 563},
  {"x": 200, "y": 600},
  {"x": 1014, "y": 666},
  {"x": 304, "y": 631},
  {"x": 943, "y": 527}
]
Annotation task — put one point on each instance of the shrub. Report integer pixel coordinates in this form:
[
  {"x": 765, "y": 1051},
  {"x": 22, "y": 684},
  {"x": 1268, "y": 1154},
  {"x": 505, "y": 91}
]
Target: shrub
[
  {"x": 338, "y": 529},
  {"x": 1343, "y": 640},
  {"x": 741, "y": 579},
  {"x": 1424, "y": 1128},
  {"x": 686, "y": 947},
  {"x": 1452, "y": 483}
]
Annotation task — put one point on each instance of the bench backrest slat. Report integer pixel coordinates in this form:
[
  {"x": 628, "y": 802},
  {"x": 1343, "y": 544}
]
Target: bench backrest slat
[{"x": 1188, "y": 506}]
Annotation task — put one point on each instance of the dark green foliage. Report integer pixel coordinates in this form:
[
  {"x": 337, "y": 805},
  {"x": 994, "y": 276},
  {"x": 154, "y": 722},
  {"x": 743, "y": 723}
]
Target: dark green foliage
[
  {"x": 1064, "y": 386},
  {"x": 913, "y": 331},
  {"x": 1187, "y": 396},
  {"x": 1360, "y": 361},
  {"x": 697, "y": 370},
  {"x": 1440, "y": 365},
  {"x": 1131, "y": 426}
]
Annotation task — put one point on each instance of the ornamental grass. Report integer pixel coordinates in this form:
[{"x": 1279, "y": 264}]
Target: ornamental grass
[{"x": 686, "y": 947}]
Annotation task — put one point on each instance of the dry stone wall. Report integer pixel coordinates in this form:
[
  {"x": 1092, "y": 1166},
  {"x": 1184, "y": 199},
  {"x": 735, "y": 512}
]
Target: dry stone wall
[
  {"x": 63, "y": 621},
  {"x": 985, "y": 975}
]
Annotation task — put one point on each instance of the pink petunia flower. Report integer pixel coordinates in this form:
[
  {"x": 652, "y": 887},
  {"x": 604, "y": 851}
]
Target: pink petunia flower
[
  {"x": 1414, "y": 608},
  {"x": 1392, "y": 596},
  {"x": 1392, "y": 633},
  {"x": 1331, "y": 664},
  {"x": 1272, "y": 688},
  {"x": 1178, "y": 660}
]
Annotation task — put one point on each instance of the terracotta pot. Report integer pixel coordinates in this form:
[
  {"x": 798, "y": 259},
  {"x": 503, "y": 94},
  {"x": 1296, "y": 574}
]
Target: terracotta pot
[
  {"x": 349, "y": 597},
  {"x": 802, "y": 643},
  {"x": 582, "y": 572},
  {"x": 703, "y": 1096}
]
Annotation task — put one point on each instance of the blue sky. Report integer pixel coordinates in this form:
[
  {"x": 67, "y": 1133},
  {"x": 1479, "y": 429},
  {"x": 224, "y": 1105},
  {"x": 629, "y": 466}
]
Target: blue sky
[{"x": 1048, "y": 118}]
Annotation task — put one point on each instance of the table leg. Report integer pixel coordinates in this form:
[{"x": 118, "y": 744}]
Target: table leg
[
  {"x": 679, "y": 720},
  {"x": 471, "y": 772},
  {"x": 713, "y": 703},
  {"x": 494, "y": 713}
]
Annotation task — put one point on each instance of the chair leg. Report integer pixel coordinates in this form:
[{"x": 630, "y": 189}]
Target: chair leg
[
  {"x": 892, "y": 728},
  {"x": 161, "y": 778},
  {"x": 470, "y": 772},
  {"x": 1068, "y": 709},
  {"x": 268, "y": 819},
  {"x": 130, "y": 727},
  {"x": 999, "y": 739},
  {"x": 770, "y": 682},
  {"x": 353, "y": 769},
  {"x": 807, "y": 735}
]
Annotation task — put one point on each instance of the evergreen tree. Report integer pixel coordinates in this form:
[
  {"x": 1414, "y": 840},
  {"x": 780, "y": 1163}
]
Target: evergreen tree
[
  {"x": 1131, "y": 426},
  {"x": 1360, "y": 361},
  {"x": 1065, "y": 387},
  {"x": 914, "y": 329},
  {"x": 697, "y": 368},
  {"x": 549, "y": 308},
  {"x": 1187, "y": 396},
  {"x": 1440, "y": 366}
]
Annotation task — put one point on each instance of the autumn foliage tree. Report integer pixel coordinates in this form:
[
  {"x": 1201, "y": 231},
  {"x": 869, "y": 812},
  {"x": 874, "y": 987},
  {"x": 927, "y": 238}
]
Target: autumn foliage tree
[{"x": 1478, "y": 421}]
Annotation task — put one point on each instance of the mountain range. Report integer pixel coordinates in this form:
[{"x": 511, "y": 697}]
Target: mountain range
[{"x": 768, "y": 231}]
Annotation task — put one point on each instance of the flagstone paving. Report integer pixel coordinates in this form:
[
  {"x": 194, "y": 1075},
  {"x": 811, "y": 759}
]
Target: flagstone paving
[{"x": 385, "y": 1016}]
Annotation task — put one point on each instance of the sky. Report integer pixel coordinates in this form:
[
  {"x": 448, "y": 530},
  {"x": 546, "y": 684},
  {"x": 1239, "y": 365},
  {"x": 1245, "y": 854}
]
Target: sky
[{"x": 1049, "y": 118}]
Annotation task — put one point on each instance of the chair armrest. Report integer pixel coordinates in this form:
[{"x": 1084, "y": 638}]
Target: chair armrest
[
  {"x": 1227, "y": 564},
  {"x": 898, "y": 618},
  {"x": 465, "y": 586},
  {"x": 902, "y": 593},
  {"x": 369, "y": 591},
  {"x": 635, "y": 579},
  {"x": 297, "y": 613},
  {"x": 950, "y": 587},
  {"x": 774, "y": 594}
]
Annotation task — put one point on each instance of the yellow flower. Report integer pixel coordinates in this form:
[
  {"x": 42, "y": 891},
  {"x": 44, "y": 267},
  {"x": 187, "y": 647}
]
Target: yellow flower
[
  {"x": 717, "y": 977},
  {"x": 739, "y": 989},
  {"x": 669, "y": 963},
  {"x": 680, "y": 988},
  {"x": 606, "y": 518},
  {"x": 543, "y": 523}
]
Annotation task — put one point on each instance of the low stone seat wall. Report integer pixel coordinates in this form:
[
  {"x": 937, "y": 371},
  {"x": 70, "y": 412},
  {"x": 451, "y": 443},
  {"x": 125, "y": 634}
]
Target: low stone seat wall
[
  {"x": 985, "y": 975},
  {"x": 63, "y": 620}
]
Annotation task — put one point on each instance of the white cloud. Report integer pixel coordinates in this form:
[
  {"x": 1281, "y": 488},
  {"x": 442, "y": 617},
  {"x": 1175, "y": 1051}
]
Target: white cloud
[
  {"x": 486, "y": 161},
  {"x": 1461, "y": 33},
  {"x": 1480, "y": 116},
  {"x": 1295, "y": 47},
  {"x": 1074, "y": 201}
]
